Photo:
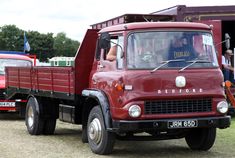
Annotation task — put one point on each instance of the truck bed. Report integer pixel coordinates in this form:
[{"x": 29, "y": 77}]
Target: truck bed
[{"x": 56, "y": 82}]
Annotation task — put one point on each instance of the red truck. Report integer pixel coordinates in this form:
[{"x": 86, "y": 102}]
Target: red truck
[
  {"x": 10, "y": 59},
  {"x": 165, "y": 82}
]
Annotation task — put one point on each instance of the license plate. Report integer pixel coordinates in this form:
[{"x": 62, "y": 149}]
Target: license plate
[
  {"x": 7, "y": 104},
  {"x": 182, "y": 124}
]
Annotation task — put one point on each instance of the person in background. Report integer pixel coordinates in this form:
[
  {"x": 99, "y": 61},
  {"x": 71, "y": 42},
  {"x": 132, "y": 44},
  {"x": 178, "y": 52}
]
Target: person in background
[{"x": 228, "y": 70}]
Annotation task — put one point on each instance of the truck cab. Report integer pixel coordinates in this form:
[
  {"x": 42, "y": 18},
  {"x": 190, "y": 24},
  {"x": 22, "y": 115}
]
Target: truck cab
[
  {"x": 165, "y": 81},
  {"x": 156, "y": 67}
]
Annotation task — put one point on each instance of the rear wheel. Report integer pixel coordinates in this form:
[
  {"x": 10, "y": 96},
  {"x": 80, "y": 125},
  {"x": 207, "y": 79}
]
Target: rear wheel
[
  {"x": 49, "y": 126},
  {"x": 33, "y": 121},
  {"x": 201, "y": 139},
  {"x": 100, "y": 140}
]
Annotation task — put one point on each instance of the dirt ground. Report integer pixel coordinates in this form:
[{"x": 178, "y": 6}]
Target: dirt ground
[{"x": 15, "y": 142}]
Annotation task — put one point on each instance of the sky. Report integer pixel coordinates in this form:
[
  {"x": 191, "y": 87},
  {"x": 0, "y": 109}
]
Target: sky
[{"x": 74, "y": 17}]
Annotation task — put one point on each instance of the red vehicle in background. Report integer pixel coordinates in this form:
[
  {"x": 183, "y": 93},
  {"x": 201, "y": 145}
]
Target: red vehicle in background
[{"x": 11, "y": 59}]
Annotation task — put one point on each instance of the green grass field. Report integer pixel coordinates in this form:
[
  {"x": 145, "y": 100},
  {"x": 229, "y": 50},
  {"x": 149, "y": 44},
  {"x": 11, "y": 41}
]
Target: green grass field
[{"x": 226, "y": 140}]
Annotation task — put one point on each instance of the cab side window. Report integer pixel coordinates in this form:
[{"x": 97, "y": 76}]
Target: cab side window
[{"x": 113, "y": 53}]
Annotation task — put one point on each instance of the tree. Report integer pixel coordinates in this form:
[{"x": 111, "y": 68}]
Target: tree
[
  {"x": 64, "y": 46},
  {"x": 11, "y": 38},
  {"x": 42, "y": 45}
]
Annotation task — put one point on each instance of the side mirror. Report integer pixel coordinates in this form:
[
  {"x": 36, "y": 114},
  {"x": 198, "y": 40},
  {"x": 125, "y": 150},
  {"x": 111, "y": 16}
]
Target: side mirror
[
  {"x": 104, "y": 42},
  {"x": 227, "y": 40}
]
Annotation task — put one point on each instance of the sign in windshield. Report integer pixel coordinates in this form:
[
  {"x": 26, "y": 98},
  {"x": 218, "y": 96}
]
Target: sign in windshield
[{"x": 151, "y": 50}]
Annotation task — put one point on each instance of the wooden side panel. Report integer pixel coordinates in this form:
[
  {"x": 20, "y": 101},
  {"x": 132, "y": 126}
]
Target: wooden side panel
[{"x": 53, "y": 79}]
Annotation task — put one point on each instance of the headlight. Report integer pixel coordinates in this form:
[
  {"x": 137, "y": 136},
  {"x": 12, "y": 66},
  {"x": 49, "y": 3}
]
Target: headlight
[
  {"x": 134, "y": 111},
  {"x": 222, "y": 107}
]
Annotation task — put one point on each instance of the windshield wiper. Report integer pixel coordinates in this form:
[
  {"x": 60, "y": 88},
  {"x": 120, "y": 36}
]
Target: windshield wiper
[
  {"x": 166, "y": 62},
  {"x": 193, "y": 62}
]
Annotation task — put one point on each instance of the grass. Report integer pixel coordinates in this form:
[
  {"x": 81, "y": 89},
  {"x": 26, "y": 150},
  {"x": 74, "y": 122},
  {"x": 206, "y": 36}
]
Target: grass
[
  {"x": 226, "y": 140},
  {"x": 16, "y": 142},
  {"x": 229, "y": 132}
]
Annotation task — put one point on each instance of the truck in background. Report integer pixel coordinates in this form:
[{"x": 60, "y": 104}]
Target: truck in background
[
  {"x": 10, "y": 58},
  {"x": 153, "y": 86}
]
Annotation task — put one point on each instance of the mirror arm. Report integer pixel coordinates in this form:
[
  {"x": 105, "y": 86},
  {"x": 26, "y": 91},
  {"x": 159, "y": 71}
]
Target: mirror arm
[{"x": 221, "y": 42}]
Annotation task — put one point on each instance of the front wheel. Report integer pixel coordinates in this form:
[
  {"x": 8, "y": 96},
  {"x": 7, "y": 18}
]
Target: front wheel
[
  {"x": 201, "y": 139},
  {"x": 100, "y": 140}
]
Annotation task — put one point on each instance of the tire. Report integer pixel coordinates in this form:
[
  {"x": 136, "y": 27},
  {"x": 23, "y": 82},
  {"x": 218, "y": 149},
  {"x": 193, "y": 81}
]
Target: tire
[
  {"x": 100, "y": 140},
  {"x": 33, "y": 121},
  {"x": 201, "y": 139},
  {"x": 84, "y": 134},
  {"x": 49, "y": 126}
]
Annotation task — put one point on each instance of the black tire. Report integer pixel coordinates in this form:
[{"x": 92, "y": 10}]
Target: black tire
[
  {"x": 84, "y": 134},
  {"x": 201, "y": 139},
  {"x": 33, "y": 121},
  {"x": 49, "y": 126},
  {"x": 104, "y": 141}
]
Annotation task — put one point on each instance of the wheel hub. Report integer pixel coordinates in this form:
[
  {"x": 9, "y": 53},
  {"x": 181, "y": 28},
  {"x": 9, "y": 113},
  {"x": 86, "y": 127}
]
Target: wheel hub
[
  {"x": 30, "y": 117},
  {"x": 94, "y": 130}
]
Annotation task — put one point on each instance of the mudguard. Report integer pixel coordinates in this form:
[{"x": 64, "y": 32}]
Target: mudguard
[{"x": 101, "y": 97}]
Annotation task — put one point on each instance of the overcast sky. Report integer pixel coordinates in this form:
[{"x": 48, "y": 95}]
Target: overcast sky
[{"x": 75, "y": 16}]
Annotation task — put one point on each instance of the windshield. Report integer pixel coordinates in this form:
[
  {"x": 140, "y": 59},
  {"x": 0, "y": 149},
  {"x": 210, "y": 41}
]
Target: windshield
[
  {"x": 12, "y": 62},
  {"x": 151, "y": 50}
]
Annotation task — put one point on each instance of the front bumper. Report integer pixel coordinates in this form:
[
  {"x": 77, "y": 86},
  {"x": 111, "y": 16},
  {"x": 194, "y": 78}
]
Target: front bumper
[{"x": 162, "y": 124}]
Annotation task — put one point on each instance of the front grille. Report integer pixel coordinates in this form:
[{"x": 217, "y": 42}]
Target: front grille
[
  {"x": 2, "y": 96},
  {"x": 178, "y": 106}
]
